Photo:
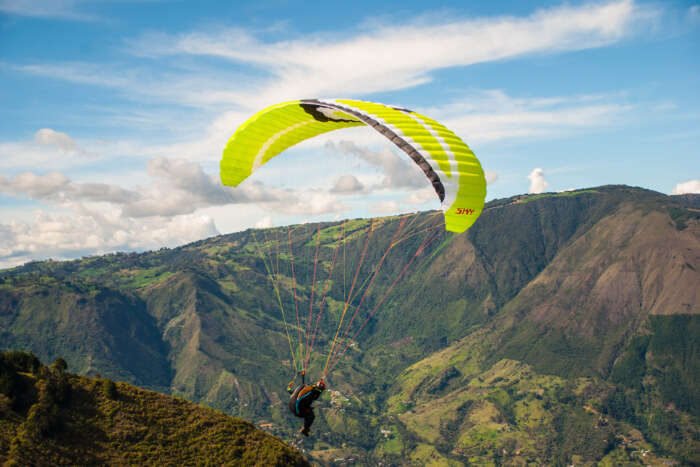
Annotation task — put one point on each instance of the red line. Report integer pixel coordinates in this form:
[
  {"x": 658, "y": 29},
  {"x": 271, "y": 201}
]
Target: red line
[
  {"x": 311, "y": 302},
  {"x": 328, "y": 282},
  {"x": 425, "y": 243},
  {"x": 277, "y": 253},
  {"x": 357, "y": 272},
  {"x": 376, "y": 272},
  {"x": 291, "y": 260}
]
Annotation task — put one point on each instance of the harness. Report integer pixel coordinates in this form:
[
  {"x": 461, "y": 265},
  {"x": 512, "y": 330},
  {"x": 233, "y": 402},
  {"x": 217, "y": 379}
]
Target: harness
[
  {"x": 301, "y": 394},
  {"x": 306, "y": 391}
]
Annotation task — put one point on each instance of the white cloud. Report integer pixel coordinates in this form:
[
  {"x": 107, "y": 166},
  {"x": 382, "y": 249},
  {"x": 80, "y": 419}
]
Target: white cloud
[
  {"x": 65, "y": 9},
  {"x": 491, "y": 177},
  {"x": 493, "y": 115},
  {"x": 98, "y": 218},
  {"x": 178, "y": 187},
  {"x": 385, "y": 207},
  {"x": 397, "y": 170},
  {"x": 48, "y": 149},
  {"x": 386, "y": 57},
  {"x": 537, "y": 182},
  {"x": 395, "y": 56},
  {"x": 56, "y": 187},
  {"x": 199, "y": 88},
  {"x": 692, "y": 186},
  {"x": 344, "y": 64},
  {"x": 49, "y": 137},
  {"x": 347, "y": 184},
  {"x": 108, "y": 160},
  {"x": 87, "y": 233},
  {"x": 264, "y": 223},
  {"x": 422, "y": 196},
  {"x": 34, "y": 186},
  {"x": 309, "y": 202}
]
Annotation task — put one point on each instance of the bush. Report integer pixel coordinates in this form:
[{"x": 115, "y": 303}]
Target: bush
[
  {"x": 60, "y": 364},
  {"x": 109, "y": 389},
  {"x": 8, "y": 382},
  {"x": 21, "y": 361}
]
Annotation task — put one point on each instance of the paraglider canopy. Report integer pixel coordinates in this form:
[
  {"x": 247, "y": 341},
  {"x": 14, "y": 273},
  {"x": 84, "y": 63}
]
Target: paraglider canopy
[{"x": 447, "y": 162}]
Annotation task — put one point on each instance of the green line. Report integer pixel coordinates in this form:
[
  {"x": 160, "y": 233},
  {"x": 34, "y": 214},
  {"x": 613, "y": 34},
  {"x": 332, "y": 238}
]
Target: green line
[
  {"x": 451, "y": 236},
  {"x": 279, "y": 300}
]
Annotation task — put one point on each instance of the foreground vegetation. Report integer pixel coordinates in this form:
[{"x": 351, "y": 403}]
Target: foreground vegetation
[{"x": 51, "y": 417}]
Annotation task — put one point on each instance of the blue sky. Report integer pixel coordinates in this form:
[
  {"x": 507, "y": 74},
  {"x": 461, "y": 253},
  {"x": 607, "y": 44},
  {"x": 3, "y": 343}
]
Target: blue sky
[{"x": 115, "y": 112}]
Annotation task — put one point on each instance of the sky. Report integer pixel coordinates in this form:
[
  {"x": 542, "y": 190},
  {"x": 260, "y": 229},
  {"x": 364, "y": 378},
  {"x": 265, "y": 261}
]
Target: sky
[{"x": 115, "y": 113}]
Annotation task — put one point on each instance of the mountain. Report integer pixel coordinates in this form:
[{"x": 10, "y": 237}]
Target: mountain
[
  {"x": 561, "y": 328},
  {"x": 51, "y": 417}
]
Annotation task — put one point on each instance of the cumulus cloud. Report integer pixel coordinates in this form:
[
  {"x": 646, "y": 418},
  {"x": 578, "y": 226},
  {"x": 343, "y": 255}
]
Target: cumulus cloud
[
  {"x": 385, "y": 207},
  {"x": 82, "y": 233},
  {"x": 51, "y": 137},
  {"x": 692, "y": 186},
  {"x": 309, "y": 202},
  {"x": 422, "y": 196},
  {"x": 35, "y": 186},
  {"x": 491, "y": 177},
  {"x": 347, "y": 184},
  {"x": 397, "y": 171},
  {"x": 179, "y": 187},
  {"x": 538, "y": 184},
  {"x": 206, "y": 189},
  {"x": 56, "y": 187},
  {"x": 101, "y": 217},
  {"x": 264, "y": 223},
  {"x": 182, "y": 187},
  {"x": 426, "y": 195},
  {"x": 53, "y": 150}
]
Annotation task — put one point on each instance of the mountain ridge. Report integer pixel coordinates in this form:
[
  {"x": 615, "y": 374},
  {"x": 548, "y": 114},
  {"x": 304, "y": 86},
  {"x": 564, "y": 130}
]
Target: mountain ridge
[{"x": 565, "y": 285}]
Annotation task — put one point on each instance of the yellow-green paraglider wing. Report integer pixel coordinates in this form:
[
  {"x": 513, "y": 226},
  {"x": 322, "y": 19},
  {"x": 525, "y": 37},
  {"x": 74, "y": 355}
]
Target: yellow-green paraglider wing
[
  {"x": 451, "y": 167},
  {"x": 271, "y": 131}
]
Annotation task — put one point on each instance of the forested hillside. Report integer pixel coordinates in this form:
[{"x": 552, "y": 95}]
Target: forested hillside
[
  {"x": 49, "y": 416},
  {"x": 561, "y": 328}
]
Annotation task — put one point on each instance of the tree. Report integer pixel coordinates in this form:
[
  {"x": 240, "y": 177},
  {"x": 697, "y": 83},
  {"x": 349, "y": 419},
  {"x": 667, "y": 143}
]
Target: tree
[{"x": 60, "y": 365}]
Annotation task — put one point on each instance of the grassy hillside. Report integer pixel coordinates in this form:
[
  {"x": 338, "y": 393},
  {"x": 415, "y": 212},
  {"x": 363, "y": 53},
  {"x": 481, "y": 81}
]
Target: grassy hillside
[
  {"x": 51, "y": 417},
  {"x": 584, "y": 304},
  {"x": 474, "y": 411}
]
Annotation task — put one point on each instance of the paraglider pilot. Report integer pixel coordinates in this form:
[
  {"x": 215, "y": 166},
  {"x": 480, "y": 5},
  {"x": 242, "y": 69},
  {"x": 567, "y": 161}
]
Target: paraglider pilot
[{"x": 300, "y": 401}]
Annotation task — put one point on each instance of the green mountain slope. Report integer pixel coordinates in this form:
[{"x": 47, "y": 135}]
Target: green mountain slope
[
  {"x": 472, "y": 410},
  {"x": 101, "y": 326},
  {"x": 51, "y": 417},
  {"x": 602, "y": 288},
  {"x": 560, "y": 313}
]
